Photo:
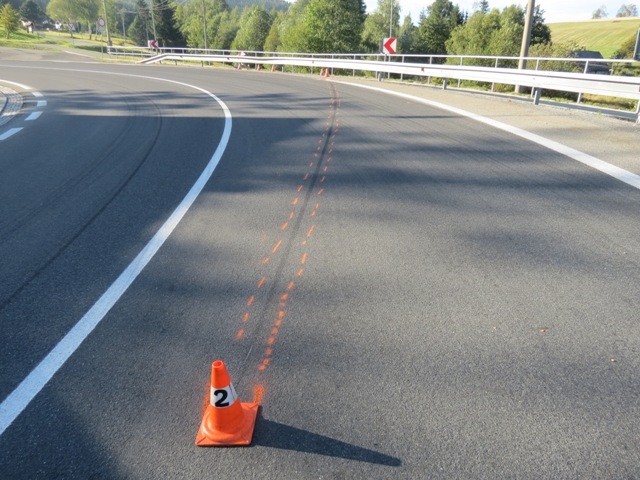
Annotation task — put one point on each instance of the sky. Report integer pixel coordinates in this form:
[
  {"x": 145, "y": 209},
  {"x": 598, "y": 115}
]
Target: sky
[{"x": 554, "y": 10}]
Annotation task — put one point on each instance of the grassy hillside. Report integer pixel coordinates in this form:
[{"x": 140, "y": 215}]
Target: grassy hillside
[{"x": 605, "y": 36}]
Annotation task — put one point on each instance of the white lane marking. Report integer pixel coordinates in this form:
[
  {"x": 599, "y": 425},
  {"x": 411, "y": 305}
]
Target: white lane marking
[
  {"x": 33, "y": 116},
  {"x": 9, "y": 133},
  {"x": 76, "y": 53},
  {"x": 24, "y": 87},
  {"x": 616, "y": 172},
  {"x": 18, "y": 399},
  {"x": 37, "y": 94},
  {"x": 42, "y": 103}
]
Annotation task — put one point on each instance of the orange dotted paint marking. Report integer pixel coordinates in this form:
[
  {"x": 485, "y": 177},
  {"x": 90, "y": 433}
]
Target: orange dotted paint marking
[
  {"x": 258, "y": 394},
  {"x": 245, "y": 317},
  {"x": 325, "y": 144}
]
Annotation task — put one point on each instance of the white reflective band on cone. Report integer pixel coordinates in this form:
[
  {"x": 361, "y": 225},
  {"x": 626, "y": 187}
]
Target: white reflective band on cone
[{"x": 223, "y": 397}]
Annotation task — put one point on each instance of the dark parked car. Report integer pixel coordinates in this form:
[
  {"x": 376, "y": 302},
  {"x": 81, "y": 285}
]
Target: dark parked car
[{"x": 601, "y": 68}]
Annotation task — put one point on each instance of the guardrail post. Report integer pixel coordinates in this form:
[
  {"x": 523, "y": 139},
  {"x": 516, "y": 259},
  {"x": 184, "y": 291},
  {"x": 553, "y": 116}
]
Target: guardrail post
[
  {"x": 444, "y": 83},
  {"x": 459, "y": 81},
  {"x": 536, "y": 95},
  {"x": 493, "y": 84}
]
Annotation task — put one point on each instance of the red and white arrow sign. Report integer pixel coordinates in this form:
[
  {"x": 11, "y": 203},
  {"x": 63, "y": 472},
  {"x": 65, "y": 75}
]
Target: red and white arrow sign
[
  {"x": 152, "y": 44},
  {"x": 389, "y": 45}
]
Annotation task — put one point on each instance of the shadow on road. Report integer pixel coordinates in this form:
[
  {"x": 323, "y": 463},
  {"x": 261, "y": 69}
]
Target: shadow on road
[{"x": 277, "y": 435}]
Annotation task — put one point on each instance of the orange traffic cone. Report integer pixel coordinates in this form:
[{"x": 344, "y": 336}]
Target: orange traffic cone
[{"x": 226, "y": 421}]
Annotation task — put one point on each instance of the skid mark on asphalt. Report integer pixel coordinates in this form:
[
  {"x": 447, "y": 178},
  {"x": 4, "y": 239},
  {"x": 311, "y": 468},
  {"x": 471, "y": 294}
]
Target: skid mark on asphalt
[{"x": 279, "y": 271}]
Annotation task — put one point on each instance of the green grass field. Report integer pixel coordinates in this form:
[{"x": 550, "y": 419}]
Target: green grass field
[{"x": 605, "y": 36}]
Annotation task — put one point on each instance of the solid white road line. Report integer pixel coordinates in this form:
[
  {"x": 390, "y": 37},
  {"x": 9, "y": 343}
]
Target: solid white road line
[
  {"x": 17, "y": 401},
  {"x": 616, "y": 172}
]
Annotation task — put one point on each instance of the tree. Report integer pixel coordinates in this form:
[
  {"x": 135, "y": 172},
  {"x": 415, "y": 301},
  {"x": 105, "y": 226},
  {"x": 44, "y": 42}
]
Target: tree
[
  {"x": 481, "y": 6},
  {"x": 436, "y": 26},
  {"x": 9, "y": 19},
  {"x": 600, "y": 12},
  {"x": 377, "y": 24},
  {"x": 292, "y": 30},
  {"x": 496, "y": 33},
  {"x": 227, "y": 26},
  {"x": 74, "y": 11},
  {"x": 272, "y": 42},
  {"x": 406, "y": 35},
  {"x": 540, "y": 31},
  {"x": 627, "y": 10},
  {"x": 190, "y": 18},
  {"x": 166, "y": 29},
  {"x": 138, "y": 31},
  {"x": 334, "y": 26},
  {"x": 254, "y": 27},
  {"x": 31, "y": 11}
]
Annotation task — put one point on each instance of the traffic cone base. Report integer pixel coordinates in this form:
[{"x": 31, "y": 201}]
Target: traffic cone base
[
  {"x": 226, "y": 421},
  {"x": 210, "y": 436}
]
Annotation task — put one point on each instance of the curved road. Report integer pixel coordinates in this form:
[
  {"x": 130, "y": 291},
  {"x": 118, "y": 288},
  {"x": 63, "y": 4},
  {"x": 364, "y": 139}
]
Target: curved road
[{"x": 409, "y": 293}]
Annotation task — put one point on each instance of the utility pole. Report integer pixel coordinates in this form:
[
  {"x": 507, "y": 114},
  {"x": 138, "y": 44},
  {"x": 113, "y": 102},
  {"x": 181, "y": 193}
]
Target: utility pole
[
  {"x": 526, "y": 39},
  {"x": 204, "y": 21},
  {"x": 106, "y": 22},
  {"x": 153, "y": 22}
]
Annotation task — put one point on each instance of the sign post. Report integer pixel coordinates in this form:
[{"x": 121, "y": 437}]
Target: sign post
[{"x": 388, "y": 46}]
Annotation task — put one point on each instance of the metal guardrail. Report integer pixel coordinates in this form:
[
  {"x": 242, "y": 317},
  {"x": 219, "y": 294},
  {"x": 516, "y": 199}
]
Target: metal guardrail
[{"x": 627, "y": 87}]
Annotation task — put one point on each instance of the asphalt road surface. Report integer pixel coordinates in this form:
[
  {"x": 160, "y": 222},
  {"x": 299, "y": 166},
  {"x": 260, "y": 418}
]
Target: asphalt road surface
[{"x": 407, "y": 292}]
